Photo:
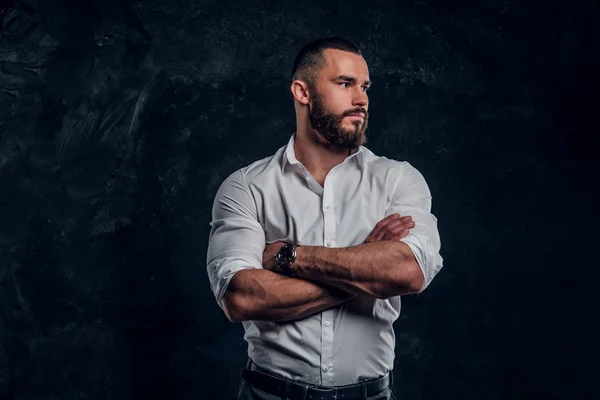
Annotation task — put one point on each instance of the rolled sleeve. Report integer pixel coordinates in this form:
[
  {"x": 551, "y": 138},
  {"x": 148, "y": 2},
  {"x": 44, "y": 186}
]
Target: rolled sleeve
[
  {"x": 237, "y": 239},
  {"x": 411, "y": 197}
]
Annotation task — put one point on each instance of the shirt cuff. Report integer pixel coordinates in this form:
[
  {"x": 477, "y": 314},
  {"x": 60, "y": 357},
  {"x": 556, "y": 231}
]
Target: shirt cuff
[
  {"x": 221, "y": 271},
  {"x": 428, "y": 258}
]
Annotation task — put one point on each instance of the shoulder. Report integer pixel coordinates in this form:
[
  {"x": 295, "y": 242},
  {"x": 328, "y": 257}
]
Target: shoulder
[
  {"x": 243, "y": 177},
  {"x": 399, "y": 176},
  {"x": 266, "y": 166},
  {"x": 391, "y": 166}
]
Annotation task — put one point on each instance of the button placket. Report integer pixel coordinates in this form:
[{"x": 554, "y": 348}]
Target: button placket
[
  {"x": 329, "y": 225},
  {"x": 327, "y": 347},
  {"x": 328, "y": 212}
]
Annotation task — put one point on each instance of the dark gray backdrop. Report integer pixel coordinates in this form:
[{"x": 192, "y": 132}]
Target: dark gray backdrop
[{"x": 120, "y": 119}]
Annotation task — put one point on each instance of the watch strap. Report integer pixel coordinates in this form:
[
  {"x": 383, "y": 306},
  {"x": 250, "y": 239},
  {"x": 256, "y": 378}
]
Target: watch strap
[{"x": 285, "y": 262}]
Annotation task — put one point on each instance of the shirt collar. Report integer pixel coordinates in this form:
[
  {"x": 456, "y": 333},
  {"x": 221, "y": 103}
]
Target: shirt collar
[{"x": 289, "y": 156}]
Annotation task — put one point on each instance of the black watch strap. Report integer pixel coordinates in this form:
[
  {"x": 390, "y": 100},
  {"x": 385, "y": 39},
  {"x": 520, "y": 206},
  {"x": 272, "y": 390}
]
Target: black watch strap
[
  {"x": 285, "y": 258},
  {"x": 288, "y": 270}
]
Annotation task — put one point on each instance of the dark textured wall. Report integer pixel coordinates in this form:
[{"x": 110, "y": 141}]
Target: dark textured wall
[{"x": 119, "y": 120}]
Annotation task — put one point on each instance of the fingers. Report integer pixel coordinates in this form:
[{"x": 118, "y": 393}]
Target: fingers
[
  {"x": 390, "y": 226},
  {"x": 377, "y": 232},
  {"x": 398, "y": 228},
  {"x": 398, "y": 237}
]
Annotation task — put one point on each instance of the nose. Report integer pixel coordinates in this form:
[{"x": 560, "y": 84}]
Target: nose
[{"x": 360, "y": 99}]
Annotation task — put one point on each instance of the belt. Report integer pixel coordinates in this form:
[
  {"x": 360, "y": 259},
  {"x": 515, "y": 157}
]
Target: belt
[{"x": 292, "y": 390}]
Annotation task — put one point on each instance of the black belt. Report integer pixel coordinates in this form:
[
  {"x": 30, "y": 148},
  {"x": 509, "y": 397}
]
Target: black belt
[{"x": 292, "y": 390}]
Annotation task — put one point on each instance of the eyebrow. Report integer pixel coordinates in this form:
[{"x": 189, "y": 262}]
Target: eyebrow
[{"x": 351, "y": 79}]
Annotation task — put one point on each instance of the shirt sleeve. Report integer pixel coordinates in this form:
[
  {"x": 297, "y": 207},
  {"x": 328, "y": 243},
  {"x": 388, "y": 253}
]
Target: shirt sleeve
[
  {"x": 411, "y": 197},
  {"x": 237, "y": 239}
]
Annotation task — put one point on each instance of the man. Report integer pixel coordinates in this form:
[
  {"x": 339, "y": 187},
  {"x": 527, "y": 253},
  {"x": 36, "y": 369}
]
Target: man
[{"x": 312, "y": 247}]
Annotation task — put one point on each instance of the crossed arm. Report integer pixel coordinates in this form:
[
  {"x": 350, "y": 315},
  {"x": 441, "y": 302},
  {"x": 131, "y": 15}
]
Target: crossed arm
[
  {"x": 260, "y": 294},
  {"x": 383, "y": 266},
  {"x": 381, "y": 269},
  {"x": 326, "y": 278}
]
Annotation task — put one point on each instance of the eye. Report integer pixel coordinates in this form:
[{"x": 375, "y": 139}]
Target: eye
[{"x": 365, "y": 88}]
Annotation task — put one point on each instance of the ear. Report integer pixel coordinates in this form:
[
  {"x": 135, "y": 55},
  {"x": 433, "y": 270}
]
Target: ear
[{"x": 300, "y": 92}]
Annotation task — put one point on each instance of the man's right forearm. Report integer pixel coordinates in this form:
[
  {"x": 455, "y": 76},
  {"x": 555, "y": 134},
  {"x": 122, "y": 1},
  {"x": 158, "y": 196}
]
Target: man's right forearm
[{"x": 258, "y": 294}]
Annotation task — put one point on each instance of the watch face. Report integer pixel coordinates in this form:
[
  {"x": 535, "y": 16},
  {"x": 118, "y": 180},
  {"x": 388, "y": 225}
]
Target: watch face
[
  {"x": 287, "y": 251},
  {"x": 285, "y": 254}
]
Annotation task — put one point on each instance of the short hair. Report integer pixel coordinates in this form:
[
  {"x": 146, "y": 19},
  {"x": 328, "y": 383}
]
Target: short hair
[{"x": 310, "y": 58}]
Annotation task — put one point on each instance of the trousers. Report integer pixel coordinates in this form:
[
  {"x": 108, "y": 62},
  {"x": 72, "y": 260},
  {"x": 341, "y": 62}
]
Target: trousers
[{"x": 249, "y": 392}]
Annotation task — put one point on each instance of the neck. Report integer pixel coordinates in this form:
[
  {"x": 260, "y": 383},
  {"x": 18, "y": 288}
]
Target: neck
[{"x": 317, "y": 156}]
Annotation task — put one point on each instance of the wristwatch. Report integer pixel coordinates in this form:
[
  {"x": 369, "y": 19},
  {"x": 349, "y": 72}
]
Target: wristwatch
[{"x": 285, "y": 257}]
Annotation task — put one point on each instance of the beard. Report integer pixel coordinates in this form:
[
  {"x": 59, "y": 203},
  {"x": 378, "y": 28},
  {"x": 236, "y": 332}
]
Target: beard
[{"x": 329, "y": 126}]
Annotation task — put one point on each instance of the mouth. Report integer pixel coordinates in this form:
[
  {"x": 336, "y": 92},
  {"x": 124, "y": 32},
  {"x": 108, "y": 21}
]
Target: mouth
[{"x": 360, "y": 116}]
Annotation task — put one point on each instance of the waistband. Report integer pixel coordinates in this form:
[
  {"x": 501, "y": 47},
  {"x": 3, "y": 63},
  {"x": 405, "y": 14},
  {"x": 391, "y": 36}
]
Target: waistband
[{"x": 296, "y": 390}]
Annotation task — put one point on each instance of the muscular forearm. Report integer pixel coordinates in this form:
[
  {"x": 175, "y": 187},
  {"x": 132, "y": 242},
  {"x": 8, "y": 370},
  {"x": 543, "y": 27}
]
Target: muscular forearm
[
  {"x": 381, "y": 269},
  {"x": 258, "y": 294}
]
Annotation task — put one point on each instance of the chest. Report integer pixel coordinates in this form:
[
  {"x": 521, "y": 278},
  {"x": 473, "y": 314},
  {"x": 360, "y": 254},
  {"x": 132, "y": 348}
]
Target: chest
[{"x": 342, "y": 212}]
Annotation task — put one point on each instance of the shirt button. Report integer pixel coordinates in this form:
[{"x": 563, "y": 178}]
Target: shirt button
[
  {"x": 327, "y": 323},
  {"x": 328, "y": 244},
  {"x": 325, "y": 368},
  {"x": 328, "y": 208}
]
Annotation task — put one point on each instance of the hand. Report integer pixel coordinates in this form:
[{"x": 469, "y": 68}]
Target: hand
[
  {"x": 392, "y": 227},
  {"x": 268, "y": 261}
]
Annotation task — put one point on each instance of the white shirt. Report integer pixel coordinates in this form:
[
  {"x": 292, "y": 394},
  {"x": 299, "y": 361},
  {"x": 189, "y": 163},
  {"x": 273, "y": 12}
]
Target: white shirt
[{"x": 276, "y": 199}]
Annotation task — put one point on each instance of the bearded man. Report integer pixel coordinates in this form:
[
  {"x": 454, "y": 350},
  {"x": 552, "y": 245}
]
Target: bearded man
[{"x": 312, "y": 248}]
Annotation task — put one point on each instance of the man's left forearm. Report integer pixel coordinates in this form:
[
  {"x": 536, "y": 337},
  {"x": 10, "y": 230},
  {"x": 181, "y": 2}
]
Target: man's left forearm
[{"x": 382, "y": 269}]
